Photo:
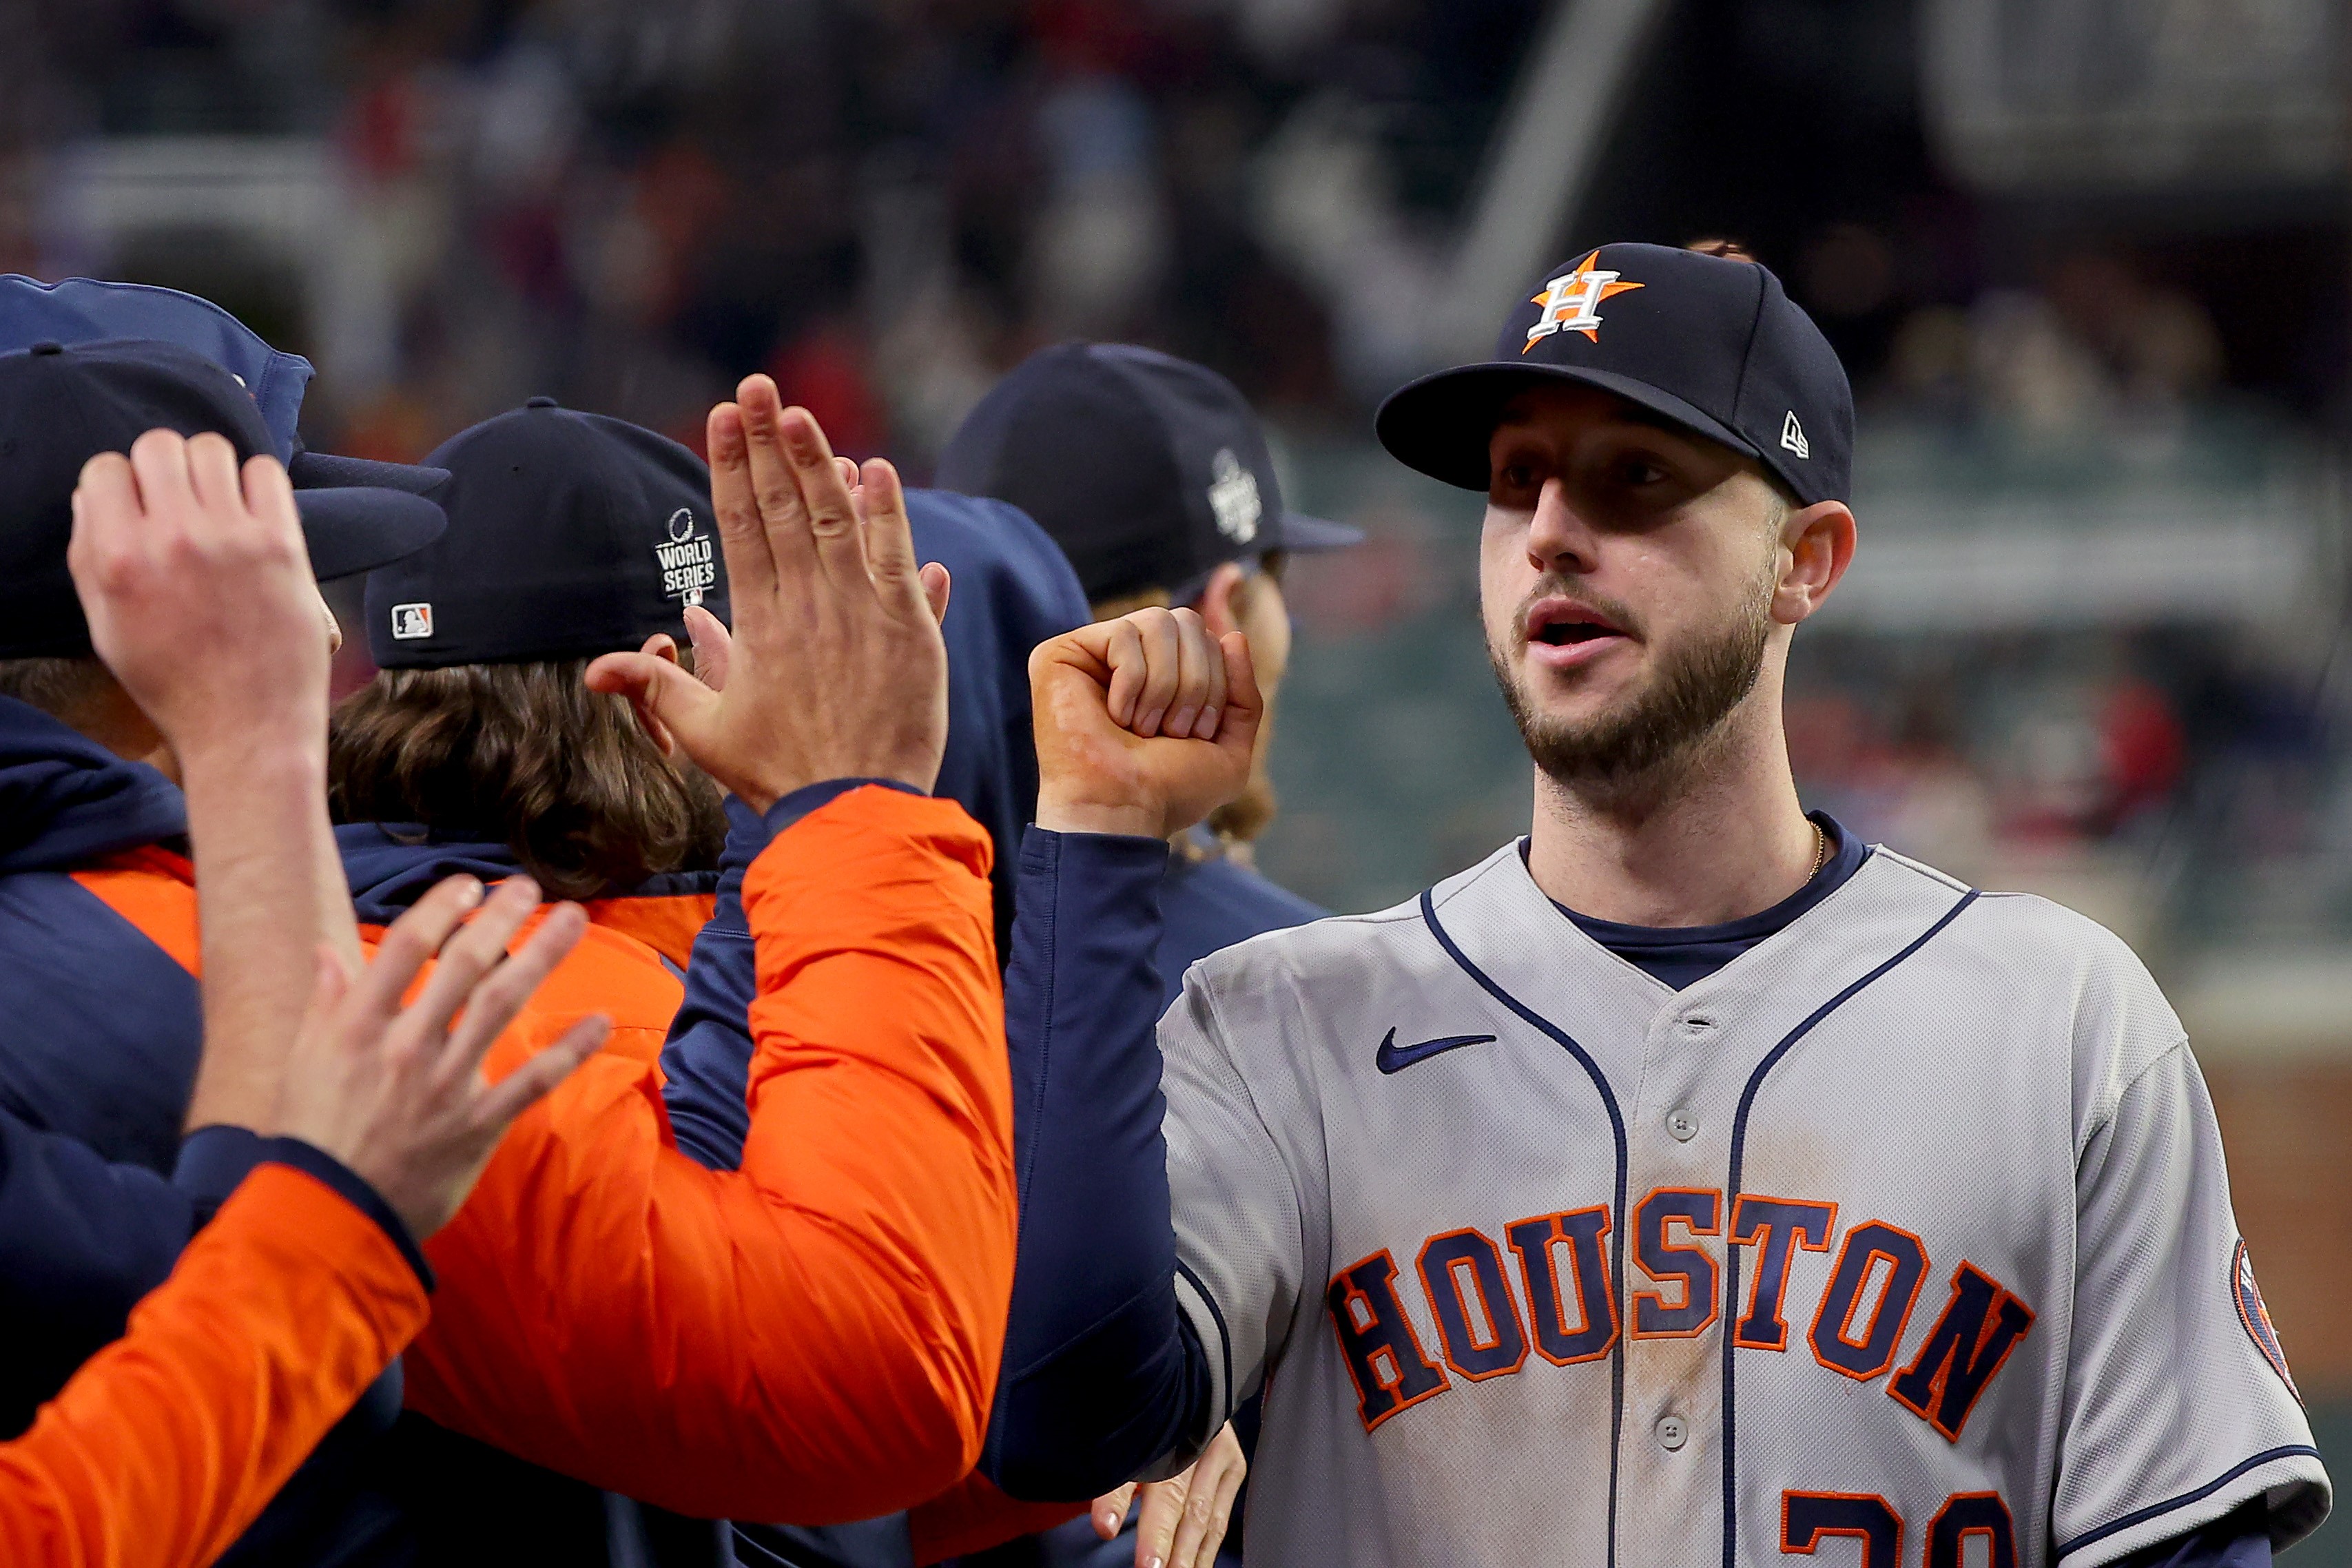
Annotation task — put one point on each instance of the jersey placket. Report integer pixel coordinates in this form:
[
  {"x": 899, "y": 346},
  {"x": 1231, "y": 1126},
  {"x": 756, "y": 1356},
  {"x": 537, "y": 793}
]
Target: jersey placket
[{"x": 1670, "y": 1458}]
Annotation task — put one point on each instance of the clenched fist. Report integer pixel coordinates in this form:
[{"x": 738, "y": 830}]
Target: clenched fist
[{"x": 1145, "y": 724}]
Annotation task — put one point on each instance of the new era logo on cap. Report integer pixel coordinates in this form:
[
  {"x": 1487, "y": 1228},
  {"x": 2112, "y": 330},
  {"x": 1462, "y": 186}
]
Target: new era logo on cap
[
  {"x": 1792, "y": 435},
  {"x": 411, "y": 622}
]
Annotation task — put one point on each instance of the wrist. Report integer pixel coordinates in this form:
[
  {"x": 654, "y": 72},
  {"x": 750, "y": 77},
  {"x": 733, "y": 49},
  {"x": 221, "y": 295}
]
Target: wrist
[
  {"x": 1129, "y": 819},
  {"x": 262, "y": 756}
]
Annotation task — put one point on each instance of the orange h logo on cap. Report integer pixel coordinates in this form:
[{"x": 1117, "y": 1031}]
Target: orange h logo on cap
[{"x": 1572, "y": 302}]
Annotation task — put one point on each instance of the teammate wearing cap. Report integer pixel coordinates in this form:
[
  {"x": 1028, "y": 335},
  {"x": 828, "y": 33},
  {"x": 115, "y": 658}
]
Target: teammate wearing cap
[
  {"x": 530, "y": 1351},
  {"x": 1685, "y": 1183},
  {"x": 306, "y": 1281},
  {"x": 478, "y": 748},
  {"x": 99, "y": 938},
  {"x": 1153, "y": 475}
]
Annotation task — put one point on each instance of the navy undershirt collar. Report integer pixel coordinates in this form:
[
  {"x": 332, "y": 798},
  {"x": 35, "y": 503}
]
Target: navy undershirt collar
[{"x": 1680, "y": 956}]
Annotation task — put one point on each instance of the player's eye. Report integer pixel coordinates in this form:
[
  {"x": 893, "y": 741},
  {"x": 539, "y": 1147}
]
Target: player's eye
[
  {"x": 1641, "y": 472},
  {"x": 1516, "y": 477}
]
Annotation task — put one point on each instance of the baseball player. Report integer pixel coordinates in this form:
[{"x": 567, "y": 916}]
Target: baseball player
[{"x": 1687, "y": 1182}]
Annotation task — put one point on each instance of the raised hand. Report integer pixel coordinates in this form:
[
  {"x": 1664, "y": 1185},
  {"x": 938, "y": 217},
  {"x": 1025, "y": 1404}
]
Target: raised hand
[
  {"x": 1145, "y": 724},
  {"x": 197, "y": 588},
  {"x": 397, "y": 1093},
  {"x": 836, "y": 667}
]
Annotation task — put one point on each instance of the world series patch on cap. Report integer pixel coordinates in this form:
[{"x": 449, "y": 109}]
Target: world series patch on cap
[
  {"x": 569, "y": 535},
  {"x": 1712, "y": 343}
]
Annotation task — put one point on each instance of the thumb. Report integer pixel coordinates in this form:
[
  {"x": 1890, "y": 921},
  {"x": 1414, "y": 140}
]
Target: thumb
[
  {"x": 713, "y": 643},
  {"x": 676, "y": 701},
  {"x": 1245, "y": 705},
  {"x": 936, "y": 584}
]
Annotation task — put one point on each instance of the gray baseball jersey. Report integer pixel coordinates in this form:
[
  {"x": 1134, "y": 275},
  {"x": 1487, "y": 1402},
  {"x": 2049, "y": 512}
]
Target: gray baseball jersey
[{"x": 1902, "y": 1239}]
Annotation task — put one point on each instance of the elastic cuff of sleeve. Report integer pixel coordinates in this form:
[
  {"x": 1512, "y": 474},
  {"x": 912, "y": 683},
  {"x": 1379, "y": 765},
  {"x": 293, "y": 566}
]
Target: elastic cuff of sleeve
[
  {"x": 213, "y": 1160},
  {"x": 746, "y": 834},
  {"x": 313, "y": 1161},
  {"x": 808, "y": 798},
  {"x": 1044, "y": 850}
]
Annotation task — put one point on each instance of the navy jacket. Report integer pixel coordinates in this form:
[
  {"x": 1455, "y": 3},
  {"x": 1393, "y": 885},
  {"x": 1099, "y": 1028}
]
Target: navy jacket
[{"x": 105, "y": 1029}]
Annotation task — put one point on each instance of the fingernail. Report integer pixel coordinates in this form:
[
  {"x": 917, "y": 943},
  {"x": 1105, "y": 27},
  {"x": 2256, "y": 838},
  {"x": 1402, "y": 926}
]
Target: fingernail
[
  {"x": 1150, "y": 723},
  {"x": 1106, "y": 1522},
  {"x": 1180, "y": 721},
  {"x": 469, "y": 892},
  {"x": 1205, "y": 728}
]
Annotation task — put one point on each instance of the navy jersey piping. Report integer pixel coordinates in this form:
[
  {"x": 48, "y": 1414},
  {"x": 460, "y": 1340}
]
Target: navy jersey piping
[
  {"x": 1617, "y": 1219},
  {"x": 2093, "y": 1537},
  {"x": 1731, "y": 1191}
]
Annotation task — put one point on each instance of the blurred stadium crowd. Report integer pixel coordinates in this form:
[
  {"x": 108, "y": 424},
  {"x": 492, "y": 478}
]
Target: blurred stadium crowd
[{"x": 627, "y": 206}]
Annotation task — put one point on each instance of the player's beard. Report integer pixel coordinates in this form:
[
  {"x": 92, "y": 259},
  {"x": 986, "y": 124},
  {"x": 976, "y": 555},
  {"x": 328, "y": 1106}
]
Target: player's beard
[{"x": 1655, "y": 730}]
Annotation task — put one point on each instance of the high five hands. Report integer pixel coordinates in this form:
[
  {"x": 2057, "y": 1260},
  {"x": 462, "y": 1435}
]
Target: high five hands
[
  {"x": 836, "y": 667},
  {"x": 1145, "y": 724}
]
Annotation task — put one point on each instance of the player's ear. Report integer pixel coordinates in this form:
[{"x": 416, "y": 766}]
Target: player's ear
[
  {"x": 1216, "y": 601},
  {"x": 1819, "y": 541},
  {"x": 661, "y": 645}
]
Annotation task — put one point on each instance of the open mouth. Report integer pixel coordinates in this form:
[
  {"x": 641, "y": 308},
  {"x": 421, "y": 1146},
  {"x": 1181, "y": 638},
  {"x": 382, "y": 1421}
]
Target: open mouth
[
  {"x": 1558, "y": 623},
  {"x": 1562, "y": 634}
]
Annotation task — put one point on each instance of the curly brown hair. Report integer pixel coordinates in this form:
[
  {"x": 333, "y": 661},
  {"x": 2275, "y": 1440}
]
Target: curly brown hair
[{"x": 524, "y": 753}]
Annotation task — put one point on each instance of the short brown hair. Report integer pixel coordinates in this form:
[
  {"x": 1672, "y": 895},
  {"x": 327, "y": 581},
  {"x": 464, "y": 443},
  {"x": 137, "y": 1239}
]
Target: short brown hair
[
  {"x": 57, "y": 687},
  {"x": 1729, "y": 249},
  {"x": 525, "y": 754}
]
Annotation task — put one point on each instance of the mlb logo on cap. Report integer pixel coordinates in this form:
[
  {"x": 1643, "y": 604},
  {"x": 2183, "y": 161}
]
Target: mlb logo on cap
[{"x": 412, "y": 622}]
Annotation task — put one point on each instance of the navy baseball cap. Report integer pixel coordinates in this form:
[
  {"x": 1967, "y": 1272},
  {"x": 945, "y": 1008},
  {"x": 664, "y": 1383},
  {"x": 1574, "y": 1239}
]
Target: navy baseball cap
[
  {"x": 1712, "y": 343},
  {"x": 1149, "y": 471},
  {"x": 87, "y": 310},
  {"x": 569, "y": 535},
  {"x": 61, "y": 406}
]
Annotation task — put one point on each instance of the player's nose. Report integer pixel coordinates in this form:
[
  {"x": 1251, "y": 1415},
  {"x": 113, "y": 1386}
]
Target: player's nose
[{"x": 1560, "y": 538}]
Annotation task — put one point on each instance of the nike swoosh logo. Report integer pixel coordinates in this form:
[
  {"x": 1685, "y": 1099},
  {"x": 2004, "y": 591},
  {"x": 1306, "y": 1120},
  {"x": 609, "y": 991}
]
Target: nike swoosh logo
[{"x": 1393, "y": 1058}]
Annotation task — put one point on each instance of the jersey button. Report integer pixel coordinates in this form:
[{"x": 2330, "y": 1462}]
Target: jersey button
[
  {"x": 1681, "y": 1124},
  {"x": 1673, "y": 1433}
]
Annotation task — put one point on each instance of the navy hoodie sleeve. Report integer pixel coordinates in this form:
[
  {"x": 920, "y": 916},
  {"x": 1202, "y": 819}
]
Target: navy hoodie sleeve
[
  {"x": 1102, "y": 1374},
  {"x": 80, "y": 1241},
  {"x": 707, "y": 1061}
]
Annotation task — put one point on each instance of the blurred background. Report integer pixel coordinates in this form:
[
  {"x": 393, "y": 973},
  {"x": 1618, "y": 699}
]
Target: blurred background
[{"x": 2086, "y": 261}]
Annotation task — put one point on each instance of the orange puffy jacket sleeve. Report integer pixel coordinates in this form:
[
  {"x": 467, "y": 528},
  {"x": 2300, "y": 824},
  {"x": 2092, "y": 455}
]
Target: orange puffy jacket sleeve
[
  {"x": 815, "y": 1336},
  {"x": 170, "y": 1441}
]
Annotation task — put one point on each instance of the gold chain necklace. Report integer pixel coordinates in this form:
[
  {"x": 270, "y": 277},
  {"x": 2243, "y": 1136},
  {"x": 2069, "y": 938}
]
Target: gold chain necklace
[{"x": 1820, "y": 849}]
